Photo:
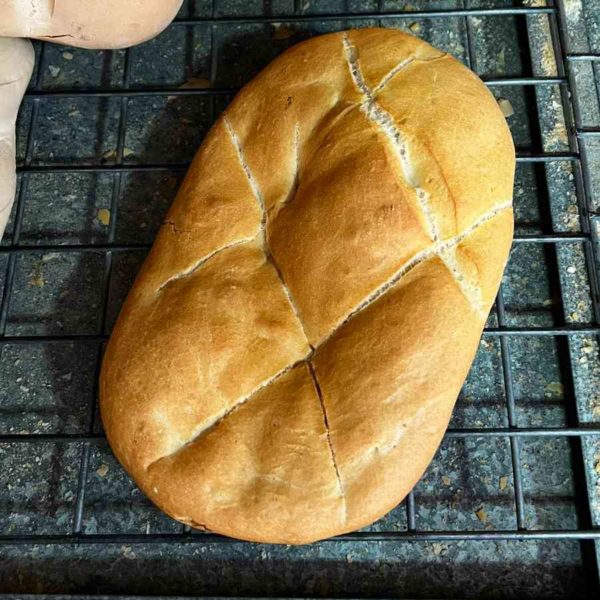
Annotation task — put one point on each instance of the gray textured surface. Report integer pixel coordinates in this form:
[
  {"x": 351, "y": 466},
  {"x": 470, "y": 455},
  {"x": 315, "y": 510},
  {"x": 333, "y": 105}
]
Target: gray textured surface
[
  {"x": 334, "y": 569},
  {"x": 469, "y": 485}
]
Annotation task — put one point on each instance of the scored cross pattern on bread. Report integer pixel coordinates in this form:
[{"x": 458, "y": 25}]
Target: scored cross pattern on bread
[{"x": 287, "y": 361}]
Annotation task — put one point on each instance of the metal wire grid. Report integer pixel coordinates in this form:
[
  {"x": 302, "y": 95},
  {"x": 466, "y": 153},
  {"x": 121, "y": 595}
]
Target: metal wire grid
[{"x": 576, "y": 155}]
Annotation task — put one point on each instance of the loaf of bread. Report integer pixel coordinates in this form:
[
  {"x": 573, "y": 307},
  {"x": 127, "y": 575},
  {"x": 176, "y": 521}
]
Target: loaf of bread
[{"x": 287, "y": 360}]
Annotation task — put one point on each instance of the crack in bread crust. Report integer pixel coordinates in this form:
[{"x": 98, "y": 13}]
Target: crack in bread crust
[
  {"x": 264, "y": 220},
  {"x": 385, "y": 80},
  {"x": 313, "y": 374},
  {"x": 203, "y": 261},
  {"x": 430, "y": 252},
  {"x": 386, "y": 123},
  {"x": 235, "y": 140},
  {"x": 471, "y": 292},
  {"x": 211, "y": 423},
  {"x": 295, "y": 181}
]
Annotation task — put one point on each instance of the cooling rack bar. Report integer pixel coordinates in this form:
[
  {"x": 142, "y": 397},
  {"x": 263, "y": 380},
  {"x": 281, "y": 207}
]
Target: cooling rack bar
[
  {"x": 522, "y": 157},
  {"x": 511, "y": 410},
  {"x": 508, "y": 81},
  {"x": 588, "y": 132},
  {"x": 100, "y": 168},
  {"x": 550, "y": 432},
  {"x": 166, "y": 91},
  {"x": 359, "y": 536},
  {"x": 583, "y": 57},
  {"x": 564, "y": 330},
  {"x": 106, "y": 247},
  {"x": 550, "y": 238},
  {"x": 380, "y": 16},
  {"x": 411, "y": 512}
]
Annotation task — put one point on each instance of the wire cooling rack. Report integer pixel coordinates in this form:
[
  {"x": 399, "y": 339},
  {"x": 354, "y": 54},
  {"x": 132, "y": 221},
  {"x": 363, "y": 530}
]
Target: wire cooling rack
[{"x": 65, "y": 502}]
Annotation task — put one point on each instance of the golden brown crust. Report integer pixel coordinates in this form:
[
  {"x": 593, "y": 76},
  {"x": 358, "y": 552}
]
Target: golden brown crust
[
  {"x": 352, "y": 186},
  {"x": 337, "y": 243},
  {"x": 389, "y": 354},
  {"x": 231, "y": 302},
  {"x": 242, "y": 481}
]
